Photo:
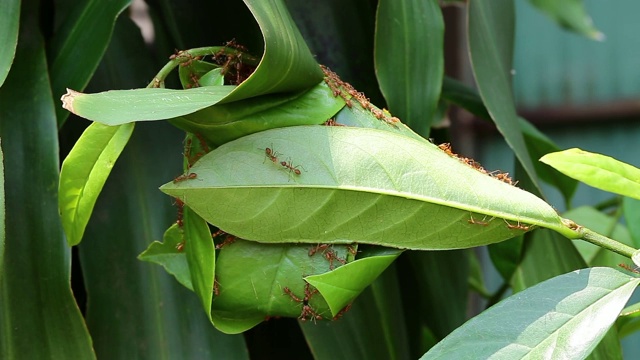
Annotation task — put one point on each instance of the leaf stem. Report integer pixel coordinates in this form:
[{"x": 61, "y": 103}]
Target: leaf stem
[
  {"x": 607, "y": 243},
  {"x": 185, "y": 56}
]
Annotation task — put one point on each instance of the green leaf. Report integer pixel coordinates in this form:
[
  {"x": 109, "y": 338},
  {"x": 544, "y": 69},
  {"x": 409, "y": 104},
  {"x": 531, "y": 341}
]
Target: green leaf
[
  {"x": 3, "y": 230},
  {"x": 79, "y": 43},
  {"x": 600, "y": 171},
  {"x": 84, "y": 173},
  {"x": 117, "y": 107},
  {"x": 571, "y": 15},
  {"x": 9, "y": 25},
  {"x": 39, "y": 316},
  {"x": 538, "y": 145},
  {"x": 448, "y": 294},
  {"x": 370, "y": 329},
  {"x": 287, "y": 64},
  {"x": 631, "y": 209},
  {"x": 222, "y": 123},
  {"x": 374, "y": 187},
  {"x": 170, "y": 255},
  {"x": 566, "y": 316},
  {"x": 252, "y": 279},
  {"x": 212, "y": 78},
  {"x": 409, "y": 59},
  {"x": 491, "y": 33},
  {"x": 190, "y": 73},
  {"x": 337, "y": 287},
  {"x": 200, "y": 257}
]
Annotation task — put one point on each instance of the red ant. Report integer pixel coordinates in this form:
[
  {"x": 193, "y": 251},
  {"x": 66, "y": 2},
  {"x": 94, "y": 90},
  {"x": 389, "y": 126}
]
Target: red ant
[
  {"x": 307, "y": 312},
  {"x": 634, "y": 270},
  {"x": 180, "y": 246},
  {"x": 328, "y": 254},
  {"x": 342, "y": 312},
  {"x": 228, "y": 239},
  {"x": 518, "y": 227},
  {"x": 478, "y": 222},
  {"x": 184, "y": 177},
  {"x": 216, "y": 286},
  {"x": 271, "y": 155},
  {"x": 291, "y": 168}
]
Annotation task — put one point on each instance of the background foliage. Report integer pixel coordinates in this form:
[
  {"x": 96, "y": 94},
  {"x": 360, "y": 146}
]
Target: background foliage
[{"x": 121, "y": 307}]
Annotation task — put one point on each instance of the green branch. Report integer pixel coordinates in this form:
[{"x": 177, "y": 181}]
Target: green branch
[{"x": 607, "y": 243}]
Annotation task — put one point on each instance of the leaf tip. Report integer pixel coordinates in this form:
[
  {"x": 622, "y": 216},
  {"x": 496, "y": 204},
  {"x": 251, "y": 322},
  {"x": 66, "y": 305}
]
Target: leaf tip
[{"x": 68, "y": 98}]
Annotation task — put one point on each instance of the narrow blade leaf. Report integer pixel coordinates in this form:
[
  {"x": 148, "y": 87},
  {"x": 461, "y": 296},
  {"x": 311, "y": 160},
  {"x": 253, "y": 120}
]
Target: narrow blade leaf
[
  {"x": 597, "y": 170},
  {"x": 200, "y": 257},
  {"x": 117, "y": 107},
  {"x": 409, "y": 59},
  {"x": 84, "y": 173},
  {"x": 491, "y": 33},
  {"x": 564, "y": 317},
  {"x": 80, "y": 43}
]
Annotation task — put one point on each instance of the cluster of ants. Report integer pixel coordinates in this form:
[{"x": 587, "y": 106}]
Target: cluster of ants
[
  {"x": 504, "y": 177},
  {"x": 308, "y": 313},
  {"x": 347, "y": 92},
  {"x": 229, "y": 58}
]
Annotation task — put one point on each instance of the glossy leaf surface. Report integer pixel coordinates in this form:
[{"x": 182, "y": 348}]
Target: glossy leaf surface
[
  {"x": 564, "y": 317},
  {"x": 375, "y": 187},
  {"x": 84, "y": 173},
  {"x": 597, "y": 170}
]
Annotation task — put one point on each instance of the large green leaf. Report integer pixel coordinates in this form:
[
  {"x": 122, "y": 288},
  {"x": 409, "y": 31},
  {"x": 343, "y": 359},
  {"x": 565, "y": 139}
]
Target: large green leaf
[
  {"x": 600, "y": 171},
  {"x": 491, "y": 33},
  {"x": 409, "y": 59},
  {"x": 92, "y": 159},
  {"x": 341, "y": 184},
  {"x": 9, "y": 24},
  {"x": 79, "y": 43},
  {"x": 39, "y": 318},
  {"x": 564, "y": 317},
  {"x": 570, "y": 14}
]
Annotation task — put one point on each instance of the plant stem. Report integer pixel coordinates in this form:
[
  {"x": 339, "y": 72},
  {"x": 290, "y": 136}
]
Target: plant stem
[
  {"x": 185, "y": 56},
  {"x": 604, "y": 242}
]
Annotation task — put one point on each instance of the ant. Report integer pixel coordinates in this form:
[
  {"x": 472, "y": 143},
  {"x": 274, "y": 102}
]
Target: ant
[
  {"x": 271, "y": 154},
  {"x": 518, "y": 226},
  {"x": 634, "y": 270},
  {"x": 307, "y": 312},
  {"x": 328, "y": 254},
  {"x": 477, "y": 222},
  {"x": 291, "y": 168},
  {"x": 184, "y": 177}
]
